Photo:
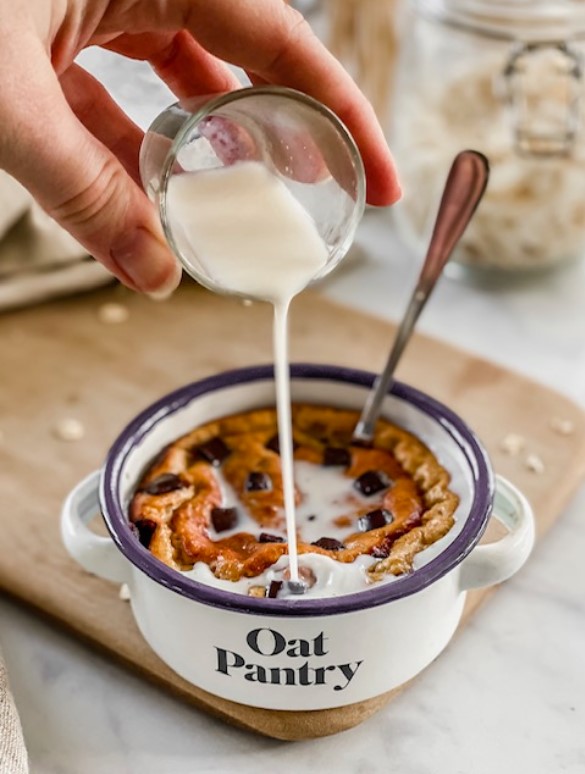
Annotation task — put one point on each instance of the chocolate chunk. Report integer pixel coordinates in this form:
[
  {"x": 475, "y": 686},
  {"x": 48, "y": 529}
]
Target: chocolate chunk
[
  {"x": 371, "y": 482},
  {"x": 375, "y": 519},
  {"x": 296, "y": 587},
  {"x": 265, "y": 537},
  {"x": 214, "y": 451},
  {"x": 146, "y": 529},
  {"x": 329, "y": 544},
  {"x": 258, "y": 482},
  {"x": 274, "y": 588},
  {"x": 362, "y": 443},
  {"x": 334, "y": 456},
  {"x": 311, "y": 517},
  {"x": 224, "y": 518},
  {"x": 382, "y": 551},
  {"x": 167, "y": 482},
  {"x": 274, "y": 444}
]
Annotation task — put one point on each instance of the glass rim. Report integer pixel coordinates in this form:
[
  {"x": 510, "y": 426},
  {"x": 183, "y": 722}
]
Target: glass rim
[{"x": 226, "y": 98}]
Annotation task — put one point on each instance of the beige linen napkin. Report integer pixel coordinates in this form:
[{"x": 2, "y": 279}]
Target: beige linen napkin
[
  {"x": 38, "y": 259},
  {"x": 13, "y": 757}
]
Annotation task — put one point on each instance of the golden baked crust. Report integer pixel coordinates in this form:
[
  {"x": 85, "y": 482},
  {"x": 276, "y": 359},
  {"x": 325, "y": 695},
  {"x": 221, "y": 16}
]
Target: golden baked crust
[{"x": 172, "y": 506}]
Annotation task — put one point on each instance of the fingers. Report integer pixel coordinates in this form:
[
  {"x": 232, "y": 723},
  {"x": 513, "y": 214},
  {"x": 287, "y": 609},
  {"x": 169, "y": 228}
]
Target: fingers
[
  {"x": 276, "y": 44},
  {"x": 185, "y": 66},
  {"x": 78, "y": 181},
  {"x": 272, "y": 41},
  {"x": 98, "y": 112}
]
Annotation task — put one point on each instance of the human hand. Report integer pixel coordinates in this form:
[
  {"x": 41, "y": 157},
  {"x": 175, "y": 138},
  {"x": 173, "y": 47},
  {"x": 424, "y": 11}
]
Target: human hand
[{"x": 65, "y": 139}]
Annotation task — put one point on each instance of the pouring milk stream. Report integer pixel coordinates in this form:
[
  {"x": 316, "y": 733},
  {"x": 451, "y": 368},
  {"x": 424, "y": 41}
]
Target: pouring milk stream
[{"x": 257, "y": 240}]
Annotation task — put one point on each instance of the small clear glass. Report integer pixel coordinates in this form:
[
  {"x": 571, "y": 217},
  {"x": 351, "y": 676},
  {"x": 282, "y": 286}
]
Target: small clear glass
[{"x": 296, "y": 137}]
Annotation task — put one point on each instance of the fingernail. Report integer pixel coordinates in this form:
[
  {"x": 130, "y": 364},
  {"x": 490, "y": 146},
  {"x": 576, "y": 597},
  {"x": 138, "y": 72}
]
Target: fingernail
[
  {"x": 167, "y": 290},
  {"x": 397, "y": 195},
  {"x": 146, "y": 259}
]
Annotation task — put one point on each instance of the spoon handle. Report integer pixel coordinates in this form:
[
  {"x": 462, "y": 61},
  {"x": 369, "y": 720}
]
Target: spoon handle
[{"x": 463, "y": 190}]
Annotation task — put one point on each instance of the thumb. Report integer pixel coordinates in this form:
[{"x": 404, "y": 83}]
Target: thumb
[{"x": 81, "y": 184}]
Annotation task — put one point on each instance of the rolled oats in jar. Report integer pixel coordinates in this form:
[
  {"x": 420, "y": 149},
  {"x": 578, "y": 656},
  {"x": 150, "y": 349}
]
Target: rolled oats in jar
[{"x": 505, "y": 78}]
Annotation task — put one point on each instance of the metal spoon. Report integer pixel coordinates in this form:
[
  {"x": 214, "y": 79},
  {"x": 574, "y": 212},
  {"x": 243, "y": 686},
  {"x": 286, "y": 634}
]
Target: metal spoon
[{"x": 463, "y": 190}]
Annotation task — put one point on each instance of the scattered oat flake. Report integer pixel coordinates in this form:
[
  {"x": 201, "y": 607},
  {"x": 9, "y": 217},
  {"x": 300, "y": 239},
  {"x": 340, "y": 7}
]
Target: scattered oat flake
[
  {"x": 512, "y": 444},
  {"x": 562, "y": 426},
  {"x": 534, "y": 463},
  {"x": 257, "y": 591},
  {"x": 69, "y": 429},
  {"x": 113, "y": 313},
  {"x": 124, "y": 593}
]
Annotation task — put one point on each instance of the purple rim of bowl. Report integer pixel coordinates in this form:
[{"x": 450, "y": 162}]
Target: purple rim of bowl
[{"x": 116, "y": 519}]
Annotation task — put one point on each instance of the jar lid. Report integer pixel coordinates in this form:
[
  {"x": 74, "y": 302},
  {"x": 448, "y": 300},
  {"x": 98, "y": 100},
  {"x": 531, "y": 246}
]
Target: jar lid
[{"x": 535, "y": 20}]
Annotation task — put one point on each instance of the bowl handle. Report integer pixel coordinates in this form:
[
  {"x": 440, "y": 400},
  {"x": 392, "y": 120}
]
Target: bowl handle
[
  {"x": 98, "y": 555},
  {"x": 495, "y": 562}
]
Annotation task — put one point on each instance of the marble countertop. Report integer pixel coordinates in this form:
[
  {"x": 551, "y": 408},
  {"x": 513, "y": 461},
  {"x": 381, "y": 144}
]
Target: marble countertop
[{"x": 507, "y": 696}]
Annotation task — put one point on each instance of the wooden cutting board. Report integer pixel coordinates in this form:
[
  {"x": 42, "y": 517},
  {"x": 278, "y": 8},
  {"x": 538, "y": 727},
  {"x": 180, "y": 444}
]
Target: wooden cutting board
[{"x": 59, "y": 361}]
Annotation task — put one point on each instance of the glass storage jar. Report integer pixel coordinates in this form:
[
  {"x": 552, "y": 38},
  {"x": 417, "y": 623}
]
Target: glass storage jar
[{"x": 506, "y": 79}]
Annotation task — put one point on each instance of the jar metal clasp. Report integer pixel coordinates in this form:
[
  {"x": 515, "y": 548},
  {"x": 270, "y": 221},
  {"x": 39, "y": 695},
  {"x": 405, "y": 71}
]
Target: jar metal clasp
[{"x": 543, "y": 86}]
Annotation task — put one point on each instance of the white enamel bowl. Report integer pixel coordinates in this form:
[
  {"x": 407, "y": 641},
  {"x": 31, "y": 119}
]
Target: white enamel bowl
[{"x": 300, "y": 654}]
